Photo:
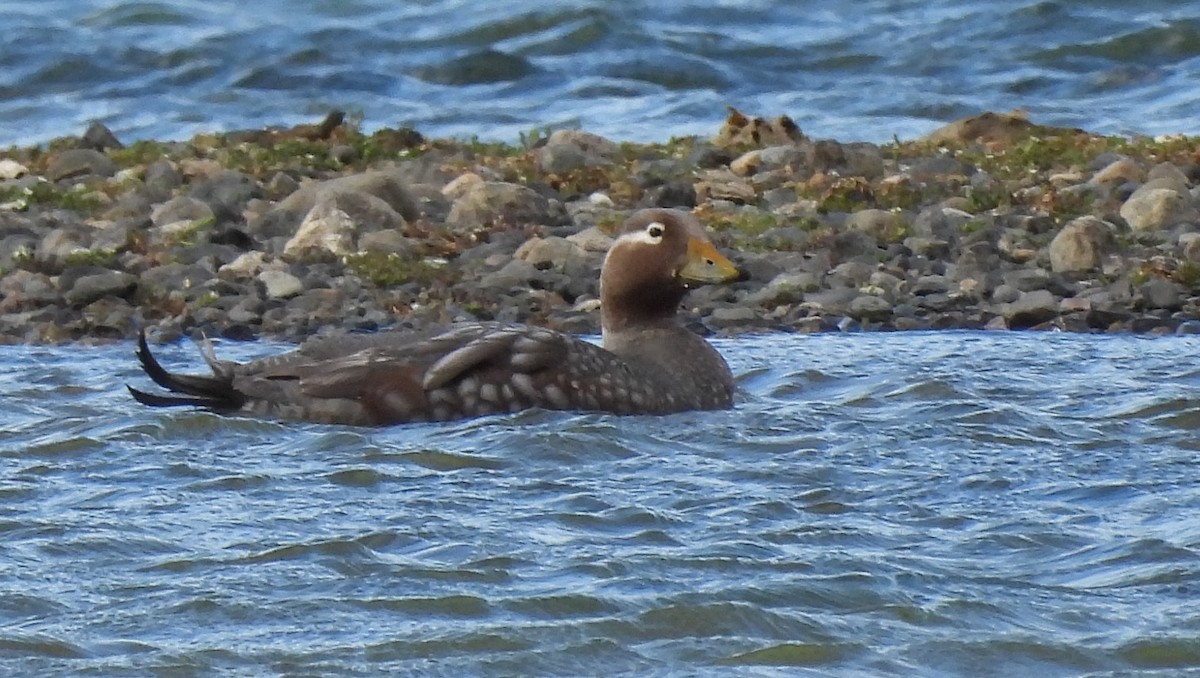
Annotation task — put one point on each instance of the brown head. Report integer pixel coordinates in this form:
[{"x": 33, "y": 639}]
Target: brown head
[{"x": 657, "y": 255}]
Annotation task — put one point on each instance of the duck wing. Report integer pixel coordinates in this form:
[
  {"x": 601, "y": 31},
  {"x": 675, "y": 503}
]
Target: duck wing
[{"x": 395, "y": 377}]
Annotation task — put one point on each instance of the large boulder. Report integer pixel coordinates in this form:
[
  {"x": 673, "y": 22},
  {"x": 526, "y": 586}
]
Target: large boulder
[{"x": 1080, "y": 245}]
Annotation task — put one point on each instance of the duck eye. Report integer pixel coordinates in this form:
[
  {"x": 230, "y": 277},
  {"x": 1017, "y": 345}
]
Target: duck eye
[{"x": 656, "y": 230}]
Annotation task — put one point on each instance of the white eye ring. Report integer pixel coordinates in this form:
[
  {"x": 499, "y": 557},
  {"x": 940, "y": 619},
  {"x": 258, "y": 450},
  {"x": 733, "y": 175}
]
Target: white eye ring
[{"x": 655, "y": 230}]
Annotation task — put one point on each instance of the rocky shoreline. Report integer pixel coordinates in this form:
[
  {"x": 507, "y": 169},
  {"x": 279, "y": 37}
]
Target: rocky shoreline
[{"x": 991, "y": 222}]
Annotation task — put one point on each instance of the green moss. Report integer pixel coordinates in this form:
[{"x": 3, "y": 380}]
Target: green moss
[
  {"x": 96, "y": 257},
  {"x": 389, "y": 269},
  {"x": 972, "y": 226}
]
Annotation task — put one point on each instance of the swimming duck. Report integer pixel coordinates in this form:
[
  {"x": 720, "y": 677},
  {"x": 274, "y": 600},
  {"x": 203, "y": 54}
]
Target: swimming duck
[{"x": 647, "y": 362}]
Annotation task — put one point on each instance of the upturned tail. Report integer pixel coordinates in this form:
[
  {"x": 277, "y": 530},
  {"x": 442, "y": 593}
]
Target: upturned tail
[{"x": 214, "y": 392}]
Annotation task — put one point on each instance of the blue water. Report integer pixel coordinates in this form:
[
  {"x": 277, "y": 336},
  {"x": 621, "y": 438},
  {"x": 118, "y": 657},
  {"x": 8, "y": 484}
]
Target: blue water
[
  {"x": 933, "y": 504},
  {"x": 638, "y": 71}
]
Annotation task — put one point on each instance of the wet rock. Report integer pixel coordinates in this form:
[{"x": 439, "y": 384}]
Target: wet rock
[
  {"x": 1031, "y": 308},
  {"x": 80, "y": 162},
  {"x": 88, "y": 288},
  {"x": 1080, "y": 245}
]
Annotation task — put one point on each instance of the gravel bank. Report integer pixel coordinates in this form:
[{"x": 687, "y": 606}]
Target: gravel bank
[{"x": 991, "y": 222}]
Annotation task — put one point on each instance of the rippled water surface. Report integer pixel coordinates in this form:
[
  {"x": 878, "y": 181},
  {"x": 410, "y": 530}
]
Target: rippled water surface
[
  {"x": 877, "y": 504},
  {"x": 630, "y": 69}
]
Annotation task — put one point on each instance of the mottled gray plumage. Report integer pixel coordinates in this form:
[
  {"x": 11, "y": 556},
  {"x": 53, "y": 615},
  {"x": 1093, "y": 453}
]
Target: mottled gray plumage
[{"x": 648, "y": 364}]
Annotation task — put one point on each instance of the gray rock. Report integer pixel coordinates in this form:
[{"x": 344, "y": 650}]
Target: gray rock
[
  {"x": 1005, "y": 294},
  {"x": 930, "y": 284},
  {"x": 883, "y": 225},
  {"x": 1080, "y": 245},
  {"x": 850, "y": 274},
  {"x": 1155, "y": 209},
  {"x": 387, "y": 241},
  {"x": 499, "y": 203},
  {"x": 21, "y": 289},
  {"x": 592, "y": 240},
  {"x": 1027, "y": 279},
  {"x": 1161, "y": 293},
  {"x": 515, "y": 273},
  {"x": 1169, "y": 175},
  {"x": 326, "y": 233},
  {"x": 870, "y": 307},
  {"x": 1031, "y": 308},
  {"x": 731, "y": 316},
  {"x": 99, "y": 137},
  {"x": 568, "y": 150},
  {"x": 785, "y": 288},
  {"x": 180, "y": 208},
  {"x": 942, "y": 223},
  {"x": 163, "y": 175},
  {"x": 227, "y": 193},
  {"x": 79, "y": 162},
  {"x": 88, "y": 288},
  {"x": 931, "y": 248},
  {"x": 555, "y": 253},
  {"x": 280, "y": 284},
  {"x": 56, "y": 247},
  {"x": 1120, "y": 171},
  {"x": 247, "y": 311},
  {"x": 1189, "y": 245},
  {"x": 383, "y": 184}
]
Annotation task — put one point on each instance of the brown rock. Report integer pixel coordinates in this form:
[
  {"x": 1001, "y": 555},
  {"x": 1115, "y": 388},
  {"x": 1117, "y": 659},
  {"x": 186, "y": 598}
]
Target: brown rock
[{"x": 1080, "y": 245}]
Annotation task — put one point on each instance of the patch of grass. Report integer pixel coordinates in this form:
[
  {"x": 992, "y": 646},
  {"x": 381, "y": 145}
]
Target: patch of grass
[
  {"x": 1187, "y": 273},
  {"x": 48, "y": 194}
]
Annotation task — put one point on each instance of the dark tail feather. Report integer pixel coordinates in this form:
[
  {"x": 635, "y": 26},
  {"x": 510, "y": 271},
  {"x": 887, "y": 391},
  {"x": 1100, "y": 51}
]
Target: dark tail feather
[{"x": 215, "y": 392}]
